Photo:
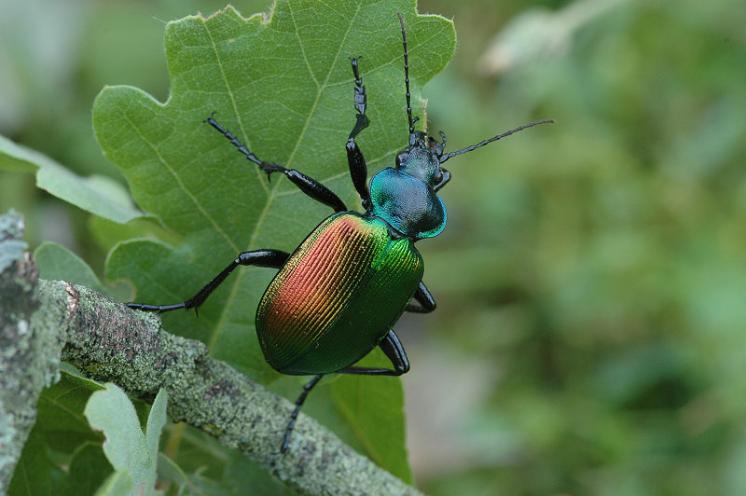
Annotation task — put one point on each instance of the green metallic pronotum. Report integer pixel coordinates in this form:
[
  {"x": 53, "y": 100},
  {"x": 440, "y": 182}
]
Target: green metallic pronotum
[{"x": 337, "y": 296}]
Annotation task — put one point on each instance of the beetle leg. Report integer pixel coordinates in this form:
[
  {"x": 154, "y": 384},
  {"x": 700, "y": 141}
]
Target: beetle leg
[
  {"x": 261, "y": 258},
  {"x": 444, "y": 181},
  {"x": 308, "y": 185},
  {"x": 394, "y": 350},
  {"x": 424, "y": 298},
  {"x": 355, "y": 159},
  {"x": 294, "y": 415}
]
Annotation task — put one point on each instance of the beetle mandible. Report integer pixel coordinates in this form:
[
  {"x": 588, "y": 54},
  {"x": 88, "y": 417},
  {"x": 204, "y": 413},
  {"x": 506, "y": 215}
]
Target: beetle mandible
[{"x": 337, "y": 296}]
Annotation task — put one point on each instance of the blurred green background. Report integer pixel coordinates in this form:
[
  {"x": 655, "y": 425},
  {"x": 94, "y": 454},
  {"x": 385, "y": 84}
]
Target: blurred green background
[{"x": 591, "y": 330}]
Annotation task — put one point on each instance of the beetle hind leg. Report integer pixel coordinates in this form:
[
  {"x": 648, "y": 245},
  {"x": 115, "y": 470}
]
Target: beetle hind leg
[
  {"x": 395, "y": 352},
  {"x": 294, "y": 415},
  {"x": 393, "y": 349}
]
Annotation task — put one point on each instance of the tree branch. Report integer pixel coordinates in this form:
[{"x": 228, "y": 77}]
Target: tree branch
[
  {"x": 29, "y": 354},
  {"x": 110, "y": 342}
]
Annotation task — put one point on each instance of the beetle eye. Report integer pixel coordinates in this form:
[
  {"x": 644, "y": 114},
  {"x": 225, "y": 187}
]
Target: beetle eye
[{"x": 402, "y": 157}]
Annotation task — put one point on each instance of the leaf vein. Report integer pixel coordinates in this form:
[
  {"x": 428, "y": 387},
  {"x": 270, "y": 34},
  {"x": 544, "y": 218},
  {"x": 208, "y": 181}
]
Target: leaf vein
[
  {"x": 180, "y": 183},
  {"x": 233, "y": 100}
]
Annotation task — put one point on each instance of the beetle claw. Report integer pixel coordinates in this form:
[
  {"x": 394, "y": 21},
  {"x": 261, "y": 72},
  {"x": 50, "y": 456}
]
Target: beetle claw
[{"x": 212, "y": 117}]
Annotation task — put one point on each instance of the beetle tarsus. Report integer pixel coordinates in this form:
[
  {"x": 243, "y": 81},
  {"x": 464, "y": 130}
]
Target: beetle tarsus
[
  {"x": 270, "y": 168},
  {"x": 355, "y": 158},
  {"x": 155, "y": 308},
  {"x": 190, "y": 305}
]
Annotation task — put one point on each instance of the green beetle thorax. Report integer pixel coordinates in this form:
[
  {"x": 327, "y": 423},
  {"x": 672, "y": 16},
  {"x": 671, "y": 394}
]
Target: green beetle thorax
[{"x": 407, "y": 203}]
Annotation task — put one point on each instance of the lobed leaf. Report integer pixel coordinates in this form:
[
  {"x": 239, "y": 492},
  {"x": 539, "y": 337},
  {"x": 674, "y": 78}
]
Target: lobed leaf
[
  {"x": 96, "y": 194},
  {"x": 126, "y": 447},
  {"x": 284, "y": 86}
]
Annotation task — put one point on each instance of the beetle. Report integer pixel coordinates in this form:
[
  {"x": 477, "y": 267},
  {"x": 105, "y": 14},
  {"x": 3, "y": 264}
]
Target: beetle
[{"x": 337, "y": 296}]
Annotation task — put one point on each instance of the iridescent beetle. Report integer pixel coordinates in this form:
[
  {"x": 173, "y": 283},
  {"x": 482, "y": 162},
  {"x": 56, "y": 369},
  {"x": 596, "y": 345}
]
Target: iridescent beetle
[{"x": 337, "y": 296}]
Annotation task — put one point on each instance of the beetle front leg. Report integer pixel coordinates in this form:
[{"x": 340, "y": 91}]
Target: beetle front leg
[
  {"x": 444, "y": 180},
  {"x": 260, "y": 258},
  {"x": 355, "y": 159},
  {"x": 424, "y": 298},
  {"x": 308, "y": 185},
  {"x": 392, "y": 347}
]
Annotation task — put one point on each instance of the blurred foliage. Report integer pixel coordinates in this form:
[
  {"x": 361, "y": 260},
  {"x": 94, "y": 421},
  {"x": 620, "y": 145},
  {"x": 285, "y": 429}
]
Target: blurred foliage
[{"x": 591, "y": 330}]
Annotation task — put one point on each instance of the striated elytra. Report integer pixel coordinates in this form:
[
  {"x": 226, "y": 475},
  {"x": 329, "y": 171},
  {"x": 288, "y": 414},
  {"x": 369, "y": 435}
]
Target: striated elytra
[
  {"x": 337, "y": 296},
  {"x": 327, "y": 306}
]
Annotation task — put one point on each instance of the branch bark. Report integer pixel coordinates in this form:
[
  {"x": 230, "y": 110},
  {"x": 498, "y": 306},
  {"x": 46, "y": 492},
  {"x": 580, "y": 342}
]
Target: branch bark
[
  {"x": 29, "y": 354},
  {"x": 109, "y": 342}
]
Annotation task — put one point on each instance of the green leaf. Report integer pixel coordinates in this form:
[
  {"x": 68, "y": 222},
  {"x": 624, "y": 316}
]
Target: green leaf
[
  {"x": 128, "y": 450},
  {"x": 60, "y": 412},
  {"x": 62, "y": 430},
  {"x": 108, "y": 234},
  {"x": 284, "y": 86},
  {"x": 88, "y": 470},
  {"x": 170, "y": 471},
  {"x": 374, "y": 408},
  {"x": 96, "y": 194},
  {"x": 56, "y": 262},
  {"x": 203, "y": 466},
  {"x": 35, "y": 472},
  {"x": 156, "y": 420},
  {"x": 117, "y": 484}
]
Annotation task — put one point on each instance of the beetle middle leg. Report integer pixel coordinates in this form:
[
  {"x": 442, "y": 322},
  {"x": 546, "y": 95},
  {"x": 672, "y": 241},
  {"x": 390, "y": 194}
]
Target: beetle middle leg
[
  {"x": 355, "y": 159},
  {"x": 308, "y": 185},
  {"x": 393, "y": 349},
  {"x": 260, "y": 258}
]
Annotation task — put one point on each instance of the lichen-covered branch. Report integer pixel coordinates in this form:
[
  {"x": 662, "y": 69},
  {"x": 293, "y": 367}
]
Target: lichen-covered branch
[
  {"x": 29, "y": 353},
  {"x": 110, "y": 342}
]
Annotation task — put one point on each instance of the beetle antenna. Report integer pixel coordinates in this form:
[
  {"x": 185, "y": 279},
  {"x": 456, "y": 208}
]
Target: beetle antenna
[
  {"x": 410, "y": 120},
  {"x": 494, "y": 138}
]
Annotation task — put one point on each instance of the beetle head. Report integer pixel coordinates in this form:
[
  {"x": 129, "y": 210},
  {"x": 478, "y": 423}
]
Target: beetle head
[{"x": 421, "y": 158}]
